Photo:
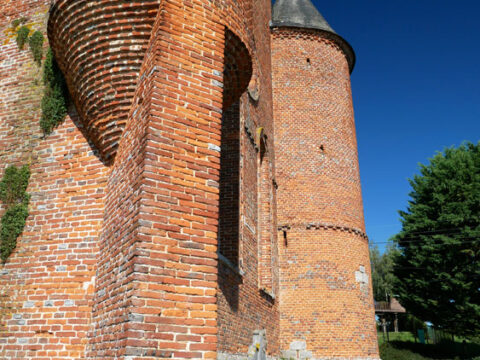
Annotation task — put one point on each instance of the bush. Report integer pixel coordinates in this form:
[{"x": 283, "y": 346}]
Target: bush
[
  {"x": 14, "y": 185},
  {"x": 22, "y": 36},
  {"x": 53, "y": 110},
  {"x": 446, "y": 350},
  {"x": 36, "y": 46},
  {"x": 13, "y": 194},
  {"x": 17, "y": 22},
  {"x": 389, "y": 352},
  {"x": 54, "y": 102},
  {"x": 12, "y": 224}
]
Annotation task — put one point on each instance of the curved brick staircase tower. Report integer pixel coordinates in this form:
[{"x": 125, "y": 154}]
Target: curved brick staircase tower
[{"x": 326, "y": 303}]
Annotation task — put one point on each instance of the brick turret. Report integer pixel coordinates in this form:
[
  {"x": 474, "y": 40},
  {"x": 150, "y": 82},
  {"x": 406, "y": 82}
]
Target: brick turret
[{"x": 326, "y": 303}]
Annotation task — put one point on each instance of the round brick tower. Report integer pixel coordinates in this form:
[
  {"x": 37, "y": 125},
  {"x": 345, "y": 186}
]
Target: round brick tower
[{"x": 326, "y": 301}]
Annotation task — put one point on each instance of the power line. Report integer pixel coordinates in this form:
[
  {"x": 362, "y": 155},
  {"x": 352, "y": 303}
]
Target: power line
[
  {"x": 437, "y": 230},
  {"x": 451, "y": 231},
  {"x": 418, "y": 240}
]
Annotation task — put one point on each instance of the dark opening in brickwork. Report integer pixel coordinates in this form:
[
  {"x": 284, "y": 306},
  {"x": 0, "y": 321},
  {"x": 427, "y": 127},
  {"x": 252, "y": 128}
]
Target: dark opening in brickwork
[
  {"x": 228, "y": 230},
  {"x": 238, "y": 69}
]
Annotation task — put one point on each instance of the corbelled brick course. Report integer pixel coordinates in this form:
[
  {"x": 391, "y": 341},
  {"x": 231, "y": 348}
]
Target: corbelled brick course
[
  {"x": 152, "y": 231},
  {"x": 100, "y": 46}
]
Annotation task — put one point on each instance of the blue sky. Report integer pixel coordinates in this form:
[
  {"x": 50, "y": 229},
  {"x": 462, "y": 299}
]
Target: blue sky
[{"x": 416, "y": 90}]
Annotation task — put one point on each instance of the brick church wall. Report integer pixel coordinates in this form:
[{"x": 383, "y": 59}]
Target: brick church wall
[
  {"x": 114, "y": 196},
  {"x": 119, "y": 258},
  {"x": 46, "y": 286}
]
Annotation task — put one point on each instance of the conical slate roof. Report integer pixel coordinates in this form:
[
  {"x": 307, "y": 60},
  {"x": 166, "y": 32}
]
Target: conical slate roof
[
  {"x": 303, "y": 14},
  {"x": 298, "y": 13}
]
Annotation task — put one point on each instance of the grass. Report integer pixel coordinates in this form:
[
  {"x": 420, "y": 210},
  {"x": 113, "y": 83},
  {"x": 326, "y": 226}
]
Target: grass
[
  {"x": 402, "y": 346},
  {"x": 400, "y": 336}
]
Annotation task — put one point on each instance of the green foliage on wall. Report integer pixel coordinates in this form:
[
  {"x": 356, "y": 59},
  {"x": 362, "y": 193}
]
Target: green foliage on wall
[
  {"x": 17, "y": 22},
  {"x": 36, "y": 46},
  {"x": 14, "y": 184},
  {"x": 13, "y": 194},
  {"x": 22, "y": 36},
  {"x": 35, "y": 41},
  {"x": 54, "y": 102}
]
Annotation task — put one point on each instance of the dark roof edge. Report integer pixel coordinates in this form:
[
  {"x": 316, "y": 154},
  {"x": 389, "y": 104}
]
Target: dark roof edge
[{"x": 344, "y": 45}]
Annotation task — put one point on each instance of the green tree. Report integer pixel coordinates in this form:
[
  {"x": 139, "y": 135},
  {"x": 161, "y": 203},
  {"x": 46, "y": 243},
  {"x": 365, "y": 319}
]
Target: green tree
[
  {"x": 383, "y": 278},
  {"x": 438, "y": 268}
]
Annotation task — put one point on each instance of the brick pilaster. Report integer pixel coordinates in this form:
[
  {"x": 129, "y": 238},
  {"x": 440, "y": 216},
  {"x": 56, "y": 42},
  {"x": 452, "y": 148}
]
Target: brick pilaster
[{"x": 157, "y": 274}]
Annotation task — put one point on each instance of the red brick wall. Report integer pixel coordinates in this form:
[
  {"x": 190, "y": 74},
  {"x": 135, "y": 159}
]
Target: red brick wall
[
  {"x": 155, "y": 261},
  {"x": 14, "y": 9},
  {"x": 47, "y": 283},
  {"x": 242, "y": 306},
  {"x": 157, "y": 273},
  {"x": 20, "y": 84},
  {"x": 326, "y": 303}
]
